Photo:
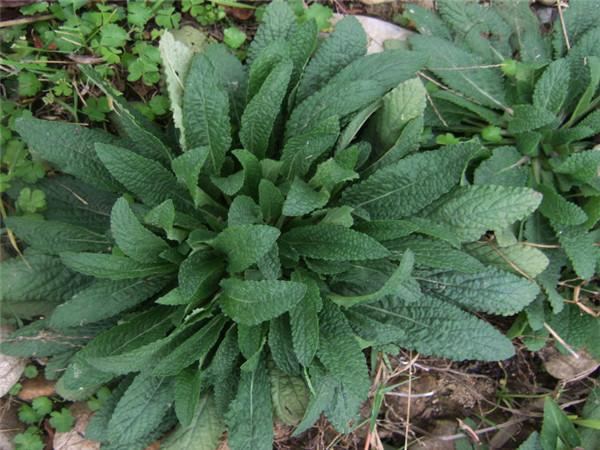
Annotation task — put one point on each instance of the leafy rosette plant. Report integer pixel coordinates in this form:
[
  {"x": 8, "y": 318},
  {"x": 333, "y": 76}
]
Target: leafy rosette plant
[
  {"x": 234, "y": 268},
  {"x": 533, "y": 97}
]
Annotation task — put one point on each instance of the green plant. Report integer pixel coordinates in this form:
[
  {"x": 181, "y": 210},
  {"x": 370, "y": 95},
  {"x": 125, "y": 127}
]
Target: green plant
[
  {"x": 240, "y": 265},
  {"x": 534, "y": 99},
  {"x": 31, "y": 439},
  {"x": 30, "y": 371},
  {"x": 62, "y": 421}
]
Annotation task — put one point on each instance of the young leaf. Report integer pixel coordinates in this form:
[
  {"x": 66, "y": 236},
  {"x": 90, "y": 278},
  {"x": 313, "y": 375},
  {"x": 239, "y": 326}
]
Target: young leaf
[
  {"x": 259, "y": 116},
  {"x": 553, "y": 86},
  {"x": 391, "y": 286},
  {"x": 304, "y": 320},
  {"x": 244, "y": 245},
  {"x": 302, "y": 199},
  {"x": 132, "y": 237}
]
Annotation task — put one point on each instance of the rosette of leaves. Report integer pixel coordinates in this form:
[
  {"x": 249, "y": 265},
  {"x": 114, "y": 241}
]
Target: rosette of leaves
[
  {"x": 534, "y": 98},
  {"x": 232, "y": 269}
]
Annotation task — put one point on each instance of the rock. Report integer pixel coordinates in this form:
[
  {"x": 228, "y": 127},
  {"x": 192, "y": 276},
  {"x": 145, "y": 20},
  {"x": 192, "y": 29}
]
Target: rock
[
  {"x": 567, "y": 367},
  {"x": 75, "y": 439},
  {"x": 11, "y": 367},
  {"x": 36, "y": 387},
  {"x": 9, "y": 424},
  {"x": 378, "y": 31}
]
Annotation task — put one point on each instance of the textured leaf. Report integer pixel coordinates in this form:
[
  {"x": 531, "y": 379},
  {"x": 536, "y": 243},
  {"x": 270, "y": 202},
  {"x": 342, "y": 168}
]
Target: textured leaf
[
  {"x": 187, "y": 395},
  {"x": 259, "y": 116},
  {"x": 401, "y": 189},
  {"x": 191, "y": 350},
  {"x": 70, "y": 148},
  {"x": 553, "y": 86},
  {"x": 302, "y": 44},
  {"x": 72, "y": 201},
  {"x": 304, "y": 320},
  {"x": 437, "y": 254},
  {"x": 558, "y": 209},
  {"x": 427, "y": 22},
  {"x": 187, "y": 167},
  {"x": 343, "y": 358},
  {"x": 582, "y": 166},
  {"x": 132, "y": 237},
  {"x": 302, "y": 199},
  {"x": 332, "y": 173},
  {"x": 490, "y": 290},
  {"x": 302, "y": 150},
  {"x": 579, "y": 18},
  {"x": 347, "y": 42},
  {"x": 528, "y": 117},
  {"x": 387, "y": 230},
  {"x": 134, "y": 171},
  {"x": 232, "y": 77},
  {"x": 454, "y": 66},
  {"x": 504, "y": 168},
  {"x": 112, "y": 267},
  {"x": 289, "y": 395},
  {"x": 141, "y": 409},
  {"x": 390, "y": 287},
  {"x": 206, "y": 112},
  {"x": 250, "y": 416},
  {"x": 53, "y": 237},
  {"x": 104, "y": 299},
  {"x": 527, "y": 37},
  {"x": 471, "y": 22},
  {"x": 329, "y": 101},
  {"x": 199, "y": 274},
  {"x": 244, "y": 245},
  {"x": 253, "y": 302},
  {"x": 281, "y": 345},
  {"x": 579, "y": 246},
  {"x": 434, "y": 327},
  {"x": 202, "y": 433},
  {"x": 278, "y": 22},
  {"x": 517, "y": 258},
  {"x": 223, "y": 370},
  {"x": 388, "y": 69},
  {"x": 243, "y": 211},
  {"x": 473, "y": 210},
  {"x": 405, "y": 102},
  {"x": 333, "y": 243},
  {"x": 270, "y": 200}
]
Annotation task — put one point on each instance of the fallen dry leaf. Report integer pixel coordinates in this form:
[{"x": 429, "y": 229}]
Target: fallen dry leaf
[{"x": 37, "y": 387}]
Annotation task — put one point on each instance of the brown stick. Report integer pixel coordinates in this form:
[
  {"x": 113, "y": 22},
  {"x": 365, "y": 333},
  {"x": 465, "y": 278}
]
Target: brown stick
[{"x": 25, "y": 20}]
